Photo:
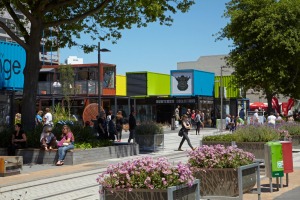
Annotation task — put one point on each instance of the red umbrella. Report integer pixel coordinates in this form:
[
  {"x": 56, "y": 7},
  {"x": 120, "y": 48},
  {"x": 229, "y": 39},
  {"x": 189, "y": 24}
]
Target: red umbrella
[{"x": 258, "y": 105}]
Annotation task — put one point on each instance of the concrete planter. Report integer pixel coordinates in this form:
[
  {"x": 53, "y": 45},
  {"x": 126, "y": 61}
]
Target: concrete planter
[
  {"x": 225, "y": 182},
  {"x": 76, "y": 156},
  {"x": 256, "y": 148},
  {"x": 181, "y": 192},
  {"x": 150, "y": 142},
  {"x": 295, "y": 140}
]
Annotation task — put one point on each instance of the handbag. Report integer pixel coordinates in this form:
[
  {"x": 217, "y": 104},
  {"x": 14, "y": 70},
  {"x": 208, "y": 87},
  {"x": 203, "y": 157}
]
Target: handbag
[{"x": 180, "y": 133}]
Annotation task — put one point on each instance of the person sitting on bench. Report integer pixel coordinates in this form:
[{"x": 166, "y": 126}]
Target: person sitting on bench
[
  {"x": 18, "y": 141},
  {"x": 48, "y": 139}
]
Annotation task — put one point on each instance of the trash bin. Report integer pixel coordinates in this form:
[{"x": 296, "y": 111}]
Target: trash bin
[
  {"x": 173, "y": 123},
  {"x": 273, "y": 159},
  {"x": 287, "y": 153}
]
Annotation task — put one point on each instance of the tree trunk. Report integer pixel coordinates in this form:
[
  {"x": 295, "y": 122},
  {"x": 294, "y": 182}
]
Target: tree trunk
[{"x": 31, "y": 74}]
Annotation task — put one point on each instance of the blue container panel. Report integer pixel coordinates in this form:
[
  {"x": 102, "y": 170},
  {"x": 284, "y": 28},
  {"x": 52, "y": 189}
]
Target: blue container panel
[
  {"x": 203, "y": 83},
  {"x": 12, "y": 64}
]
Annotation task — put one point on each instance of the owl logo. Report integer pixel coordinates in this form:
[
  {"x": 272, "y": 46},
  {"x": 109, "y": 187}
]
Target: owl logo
[{"x": 182, "y": 82}]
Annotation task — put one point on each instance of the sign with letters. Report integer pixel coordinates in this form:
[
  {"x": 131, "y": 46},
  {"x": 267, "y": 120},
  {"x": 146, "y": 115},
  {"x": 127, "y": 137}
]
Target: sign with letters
[{"x": 12, "y": 64}]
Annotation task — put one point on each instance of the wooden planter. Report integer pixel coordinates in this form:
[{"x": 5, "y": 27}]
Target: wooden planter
[
  {"x": 150, "y": 142},
  {"x": 181, "y": 192},
  {"x": 225, "y": 182},
  {"x": 256, "y": 148}
]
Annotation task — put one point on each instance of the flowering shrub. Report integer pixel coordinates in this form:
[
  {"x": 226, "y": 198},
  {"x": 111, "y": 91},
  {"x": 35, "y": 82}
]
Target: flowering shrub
[
  {"x": 293, "y": 128},
  {"x": 149, "y": 128},
  {"x": 145, "y": 173},
  {"x": 219, "y": 156}
]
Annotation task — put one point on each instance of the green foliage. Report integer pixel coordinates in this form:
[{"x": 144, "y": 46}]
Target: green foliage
[
  {"x": 218, "y": 138},
  {"x": 67, "y": 78},
  {"x": 93, "y": 144},
  {"x": 251, "y": 133},
  {"x": 266, "y": 42},
  {"x": 248, "y": 133},
  {"x": 149, "y": 128},
  {"x": 68, "y": 21},
  {"x": 33, "y": 137},
  {"x": 60, "y": 113},
  {"x": 292, "y": 128}
]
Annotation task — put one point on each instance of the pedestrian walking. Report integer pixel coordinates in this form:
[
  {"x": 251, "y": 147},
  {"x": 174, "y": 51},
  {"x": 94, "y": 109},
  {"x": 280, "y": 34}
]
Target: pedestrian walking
[
  {"x": 198, "y": 122},
  {"x": 119, "y": 125},
  {"x": 186, "y": 126},
  {"x": 132, "y": 125}
]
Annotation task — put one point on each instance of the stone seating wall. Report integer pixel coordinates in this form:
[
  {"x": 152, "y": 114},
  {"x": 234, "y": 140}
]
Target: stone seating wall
[{"x": 75, "y": 156}]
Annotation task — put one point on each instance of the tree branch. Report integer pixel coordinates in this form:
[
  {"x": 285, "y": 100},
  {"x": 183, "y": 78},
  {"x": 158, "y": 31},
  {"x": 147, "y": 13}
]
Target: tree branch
[
  {"x": 17, "y": 21},
  {"x": 78, "y": 17},
  {"x": 13, "y": 36}
]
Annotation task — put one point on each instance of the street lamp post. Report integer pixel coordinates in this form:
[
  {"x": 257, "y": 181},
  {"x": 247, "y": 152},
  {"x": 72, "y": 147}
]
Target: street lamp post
[
  {"x": 221, "y": 97},
  {"x": 100, "y": 76}
]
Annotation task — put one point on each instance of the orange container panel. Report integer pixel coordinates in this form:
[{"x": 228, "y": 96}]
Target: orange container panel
[{"x": 109, "y": 91}]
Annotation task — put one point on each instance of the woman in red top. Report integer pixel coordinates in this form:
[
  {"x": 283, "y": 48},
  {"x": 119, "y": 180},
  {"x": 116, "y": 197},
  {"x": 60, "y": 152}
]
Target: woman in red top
[{"x": 65, "y": 144}]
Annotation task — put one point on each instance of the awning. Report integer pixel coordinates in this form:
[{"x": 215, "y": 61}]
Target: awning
[{"x": 47, "y": 70}]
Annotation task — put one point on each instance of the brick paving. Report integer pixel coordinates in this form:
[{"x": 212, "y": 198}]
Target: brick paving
[{"x": 79, "y": 181}]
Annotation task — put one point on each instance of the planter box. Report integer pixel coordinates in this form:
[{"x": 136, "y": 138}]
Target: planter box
[
  {"x": 76, "y": 156},
  {"x": 256, "y": 148},
  {"x": 228, "y": 181},
  {"x": 181, "y": 192},
  {"x": 150, "y": 142}
]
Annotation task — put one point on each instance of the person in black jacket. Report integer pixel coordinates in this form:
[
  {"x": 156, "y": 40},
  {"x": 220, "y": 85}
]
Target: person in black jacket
[{"x": 132, "y": 125}]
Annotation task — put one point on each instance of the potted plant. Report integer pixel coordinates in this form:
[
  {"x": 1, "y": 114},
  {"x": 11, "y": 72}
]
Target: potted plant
[
  {"x": 217, "y": 167},
  {"x": 145, "y": 177},
  {"x": 149, "y": 135},
  {"x": 250, "y": 138}
]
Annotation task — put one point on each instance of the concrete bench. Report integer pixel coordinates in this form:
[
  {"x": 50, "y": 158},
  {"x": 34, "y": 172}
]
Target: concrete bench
[
  {"x": 10, "y": 165},
  {"x": 76, "y": 156}
]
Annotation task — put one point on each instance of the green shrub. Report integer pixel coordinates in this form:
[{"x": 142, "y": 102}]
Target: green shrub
[
  {"x": 248, "y": 133},
  {"x": 93, "y": 144},
  {"x": 254, "y": 133},
  {"x": 292, "y": 128},
  {"x": 34, "y": 136},
  {"x": 219, "y": 138},
  {"x": 149, "y": 128}
]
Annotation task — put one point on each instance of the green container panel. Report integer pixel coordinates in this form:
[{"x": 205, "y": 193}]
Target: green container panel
[
  {"x": 232, "y": 91},
  {"x": 158, "y": 84}
]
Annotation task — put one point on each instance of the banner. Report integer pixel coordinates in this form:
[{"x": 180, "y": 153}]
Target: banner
[
  {"x": 275, "y": 104},
  {"x": 290, "y": 104}
]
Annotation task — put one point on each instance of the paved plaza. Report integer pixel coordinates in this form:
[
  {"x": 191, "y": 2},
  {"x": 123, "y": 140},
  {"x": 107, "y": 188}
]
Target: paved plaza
[{"x": 79, "y": 181}]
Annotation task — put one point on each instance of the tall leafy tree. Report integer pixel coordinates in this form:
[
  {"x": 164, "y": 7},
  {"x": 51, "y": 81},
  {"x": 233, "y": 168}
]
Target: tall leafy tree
[
  {"x": 266, "y": 45},
  {"x": 101, "y": 19},
  {"x": 67, "y": 79}
]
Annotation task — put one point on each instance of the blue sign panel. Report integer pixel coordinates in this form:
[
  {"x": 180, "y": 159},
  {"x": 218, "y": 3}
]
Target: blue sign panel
[{"x": 12, "y": 64}]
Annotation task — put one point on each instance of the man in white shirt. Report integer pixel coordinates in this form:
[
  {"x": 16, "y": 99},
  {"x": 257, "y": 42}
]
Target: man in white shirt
[
  {"x": 271, "y": 119},
  {"x": 48, "y": 117},
  {"x": 255, "y": 117}
]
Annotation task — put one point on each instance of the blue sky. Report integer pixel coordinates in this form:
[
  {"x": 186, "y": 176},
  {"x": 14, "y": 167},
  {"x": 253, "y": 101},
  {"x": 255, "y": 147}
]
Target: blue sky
[{"x": 158, "y": 48}]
